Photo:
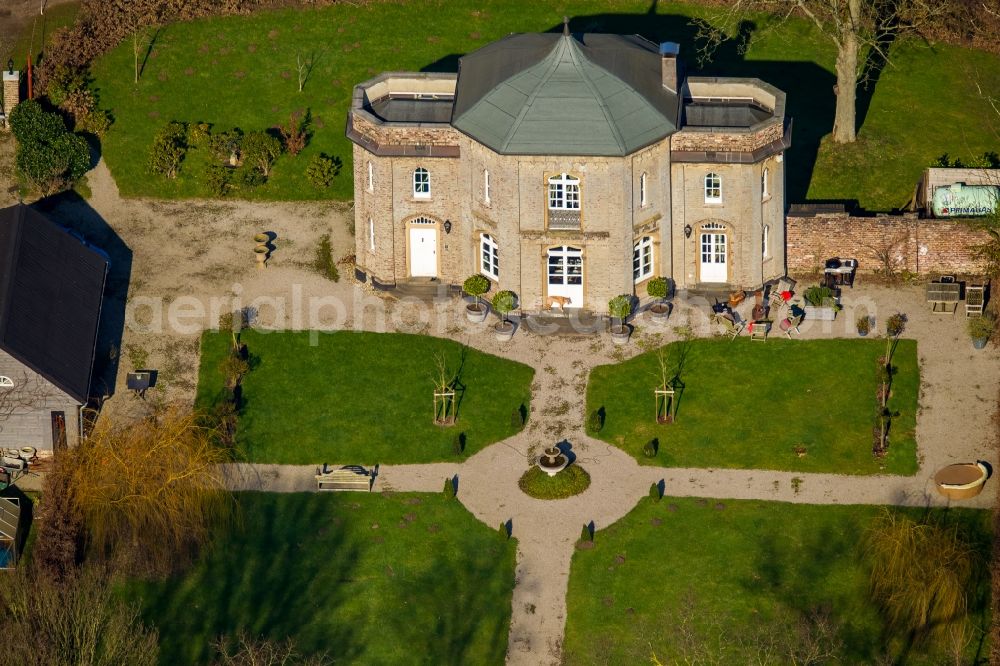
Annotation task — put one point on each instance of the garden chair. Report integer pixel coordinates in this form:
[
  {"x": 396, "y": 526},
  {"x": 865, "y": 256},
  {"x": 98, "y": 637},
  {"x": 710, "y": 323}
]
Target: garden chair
[
  {"x": 781, "y": 292},
  {"x": 732, "y": 327},
  {"x": 789, "y": 325},
  {"x": 758, "y": 330},
  {"x": 975, "y": 298}
]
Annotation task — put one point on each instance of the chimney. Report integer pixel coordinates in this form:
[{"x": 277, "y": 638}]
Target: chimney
[
  {"x": 670, "y": 65},
  {"x": 11, "y": 92}
]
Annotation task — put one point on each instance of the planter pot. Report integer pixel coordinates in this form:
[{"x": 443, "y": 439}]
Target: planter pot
[
  {"x": 659, "y": 313},
  {"x": 862, "y": 333},
  {"x": 261, "y": 239},
  {"x": 504, "y": 331},
  {"x": 476, "y": 313},
  {"x": 979, "y": 343},
  {"x": 820, "y": 312},
  {"x": 260, "y": 254},
  {"x": 620, "y": 336}
]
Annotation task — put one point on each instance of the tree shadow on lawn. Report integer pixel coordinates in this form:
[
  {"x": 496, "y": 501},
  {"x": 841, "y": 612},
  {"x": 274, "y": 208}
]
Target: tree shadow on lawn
[
  {"x": 255, "y": 578},
  {"x": 809, "y": 87}
]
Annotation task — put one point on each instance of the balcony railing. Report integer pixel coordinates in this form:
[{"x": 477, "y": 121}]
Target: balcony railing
[{"x": 564, "y": 220}]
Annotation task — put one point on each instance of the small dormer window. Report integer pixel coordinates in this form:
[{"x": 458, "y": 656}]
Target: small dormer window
[
  {"x": 421, "y": 183},
  {"x": 564, "y": 192},
  {"x": 713, "y": 188}
]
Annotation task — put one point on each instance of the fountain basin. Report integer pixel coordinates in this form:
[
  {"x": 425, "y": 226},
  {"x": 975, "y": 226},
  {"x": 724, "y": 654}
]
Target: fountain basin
[{"x": 552, "y": 461}]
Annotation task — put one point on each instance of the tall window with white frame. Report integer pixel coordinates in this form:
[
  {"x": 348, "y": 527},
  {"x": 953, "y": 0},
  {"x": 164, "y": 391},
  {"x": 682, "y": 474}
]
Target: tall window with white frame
[
  {"x": 489, "y": 256},
  {"x": 371, "y": 235},
  {"x": 564, "y": 192},
  {"x": 371, "y": 177},
  {"x": 642, "y": 190},
  {"x": 486, "y": 186},
  {"x": 421, "y": 183},
  {"x": 642, "y": 259},
  {"x": 713, "y": 188},
  {"x": 765, "y": 241},
  {"x": 764, "y": 189}
]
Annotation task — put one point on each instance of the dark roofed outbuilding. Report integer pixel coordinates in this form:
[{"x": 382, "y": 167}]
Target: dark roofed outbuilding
[{"x": 51, "y": 290}]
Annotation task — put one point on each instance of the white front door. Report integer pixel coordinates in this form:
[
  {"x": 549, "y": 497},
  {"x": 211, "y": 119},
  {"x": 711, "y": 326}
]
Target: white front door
[
  {"x": 565, "y": 274},
  {"x": 423, "y": 251},
  {"x": 713, "y": 257}
]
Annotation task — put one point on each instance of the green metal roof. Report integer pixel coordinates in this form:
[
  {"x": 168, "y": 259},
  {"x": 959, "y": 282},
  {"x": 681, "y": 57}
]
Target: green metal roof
[{"x": 565, "y": 103}]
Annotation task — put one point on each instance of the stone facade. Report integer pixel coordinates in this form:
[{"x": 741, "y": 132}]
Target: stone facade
[
  {"x": 615, "y": 215},
  {"x": 27, "y": 409},
  {"x": 920, "y": 246}
]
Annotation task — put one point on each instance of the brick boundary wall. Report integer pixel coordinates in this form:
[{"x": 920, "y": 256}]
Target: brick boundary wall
[{"x": 921, "y": 246}]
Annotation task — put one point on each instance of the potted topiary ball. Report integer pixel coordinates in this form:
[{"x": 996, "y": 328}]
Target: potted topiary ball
[
  {"x": 864, "y": 325},
  {"x": 503, "y": 304},
  {"x": 476, "y": 286},
  {"x": 659, "y": 288},
  {"x": 980, "y": 329},
  {"x": 620, "y": 307}
]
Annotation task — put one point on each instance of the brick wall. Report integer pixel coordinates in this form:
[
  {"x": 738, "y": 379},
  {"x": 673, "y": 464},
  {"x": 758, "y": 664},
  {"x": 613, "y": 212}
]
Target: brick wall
[
  {"x": 11, "y": 92},
  {"x": 923, "y": 246}
]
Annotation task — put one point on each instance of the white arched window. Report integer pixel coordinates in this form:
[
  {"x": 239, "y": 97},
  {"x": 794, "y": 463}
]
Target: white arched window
[
  {"x": 371, "y": 234},
  {"x": 371, "y": 177},
  {"x": 713, "y": 188},
  {"x": 764, "y": 189},
  {"x": 489, "y": 253},
  {"x": 765, "y": 241},
  {"x": 642, "y": 259},
  {"x": 564, "y": 192},
  {"x": 6, "y": 382},
  {"x": 421, "y": 183},
  {"x": 486, "y": 186},
  {"x": 642, "y": 190}
]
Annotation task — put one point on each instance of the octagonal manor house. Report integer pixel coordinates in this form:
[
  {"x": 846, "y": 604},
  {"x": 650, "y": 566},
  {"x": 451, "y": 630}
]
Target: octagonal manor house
[{"x": 572, "y": 165}]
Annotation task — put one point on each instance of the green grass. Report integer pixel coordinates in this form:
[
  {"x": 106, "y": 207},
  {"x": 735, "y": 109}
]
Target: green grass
[
  {"x": 731, "y": 569},
  {"x": 362, "y": 398},
  {"x": 571, "y": 481},
  {"x": 240, "y": 71},
  {"x": 748, "y": 405},
  {"x": 369, "y": 579}
]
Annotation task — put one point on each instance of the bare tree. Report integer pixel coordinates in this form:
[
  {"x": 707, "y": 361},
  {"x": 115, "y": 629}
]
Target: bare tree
[
  {"x": 861, "y": 31},
  {"x": 249, "y": 651},
  {"x": 76, "y": 621},
  {"x": 23, "y": 395}
]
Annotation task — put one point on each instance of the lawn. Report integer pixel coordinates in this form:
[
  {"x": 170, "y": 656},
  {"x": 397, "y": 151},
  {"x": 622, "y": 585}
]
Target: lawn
[
  {"x": 37, "y": 33},
  {"x": 749, "y": 405},
  {"x": 368, "y": 579},
  {"x": 241, "y": 71},
  {"x": 680, "y": 574},
  {"x": 362, "y": 398}
]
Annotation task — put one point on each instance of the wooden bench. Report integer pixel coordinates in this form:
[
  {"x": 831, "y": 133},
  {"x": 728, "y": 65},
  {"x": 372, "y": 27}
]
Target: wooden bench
[{"x": 349, "y": 477}]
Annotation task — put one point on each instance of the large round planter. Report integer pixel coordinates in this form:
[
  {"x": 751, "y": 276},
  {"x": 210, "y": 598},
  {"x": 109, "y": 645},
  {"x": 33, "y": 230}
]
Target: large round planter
[
  {"x": 979, "y": 343},
  {"x": 659, "y": 313},
  {"x": 620, "y": 336},
  {"x": 862, "y": 334},
  {"x": 476, "y": 313},
  {"x": 504, "y": 331},
  {"x": 261, "y": 239}
]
